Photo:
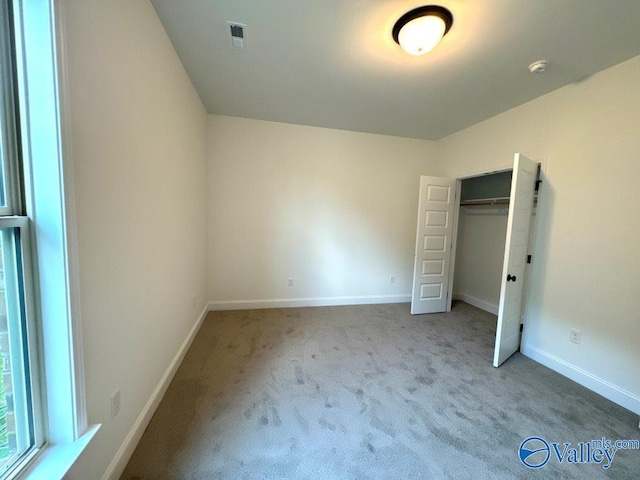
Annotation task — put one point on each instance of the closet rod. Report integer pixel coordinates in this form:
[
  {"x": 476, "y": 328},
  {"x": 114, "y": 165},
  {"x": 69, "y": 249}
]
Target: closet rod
[
  {"x": 490, "y": 202},
  {"x": 486, "y": 201}
]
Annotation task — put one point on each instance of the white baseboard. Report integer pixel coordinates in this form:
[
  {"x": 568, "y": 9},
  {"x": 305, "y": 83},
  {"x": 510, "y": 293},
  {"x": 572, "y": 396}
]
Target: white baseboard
[
  {"x": 476, "y": 302},
  {"x": 306, "y": 302},
  {"x": 119, "y": 462},
  {"x": 608, "y": 390}
]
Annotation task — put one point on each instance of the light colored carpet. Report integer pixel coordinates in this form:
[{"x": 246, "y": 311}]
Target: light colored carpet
[{"x": 367, "y": 392}]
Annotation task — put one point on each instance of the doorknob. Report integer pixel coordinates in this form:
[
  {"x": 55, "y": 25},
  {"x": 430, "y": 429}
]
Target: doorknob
[{"x": 511, "y": 278}]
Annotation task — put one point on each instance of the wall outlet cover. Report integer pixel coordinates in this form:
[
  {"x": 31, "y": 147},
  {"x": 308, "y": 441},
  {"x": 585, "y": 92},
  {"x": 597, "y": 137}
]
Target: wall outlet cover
[{"x": 115, "y": 403}]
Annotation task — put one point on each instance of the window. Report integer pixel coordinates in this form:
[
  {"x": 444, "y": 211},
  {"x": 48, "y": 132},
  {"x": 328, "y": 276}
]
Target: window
[
  {"x": 20, "y": 427},
  {"x": 43, "y": 424}
]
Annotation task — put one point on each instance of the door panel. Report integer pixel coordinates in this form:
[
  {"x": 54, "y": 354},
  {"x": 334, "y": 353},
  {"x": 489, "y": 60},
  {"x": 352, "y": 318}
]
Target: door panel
[
  {"x": 515, "y": 255},
  {"x": 432, "y": 263}
]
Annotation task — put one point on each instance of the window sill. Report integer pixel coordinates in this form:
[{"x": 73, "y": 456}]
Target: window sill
[{"x": 56, "y": 460}]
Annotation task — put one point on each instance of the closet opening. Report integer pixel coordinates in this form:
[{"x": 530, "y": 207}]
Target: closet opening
[{"x": 480, "y": 239}]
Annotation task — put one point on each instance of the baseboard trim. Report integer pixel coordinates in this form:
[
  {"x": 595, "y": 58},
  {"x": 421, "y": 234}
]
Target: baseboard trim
[
  {"x": 119, "y": 462},
  {"x": 608, "y": 390},
  {"x": 306, "y": 302},
  {"x": 476, "y": 302}
]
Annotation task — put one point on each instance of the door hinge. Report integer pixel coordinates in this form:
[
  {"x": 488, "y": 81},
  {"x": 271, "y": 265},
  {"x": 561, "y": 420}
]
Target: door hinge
[
  {"x": 521, "y": 325},
  {"x": 528, "y": 258},
  {"x": 538, "y": 182}
]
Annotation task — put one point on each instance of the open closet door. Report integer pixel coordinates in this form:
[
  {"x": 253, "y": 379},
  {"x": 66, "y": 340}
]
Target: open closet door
[
  {"x": 512, "y": 287},
  {"x": 437, "y": 209}
]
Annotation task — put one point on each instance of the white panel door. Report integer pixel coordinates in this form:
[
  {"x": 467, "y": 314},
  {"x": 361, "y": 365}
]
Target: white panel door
[
  {"x": 515, "y": 256},
  {"x": 436, "y": 217}
]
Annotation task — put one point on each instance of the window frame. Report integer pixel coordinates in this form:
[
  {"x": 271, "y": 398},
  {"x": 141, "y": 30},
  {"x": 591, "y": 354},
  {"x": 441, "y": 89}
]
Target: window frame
[
  {"x": 22, "y": 326},
  {"x": 49, "y": 203}
]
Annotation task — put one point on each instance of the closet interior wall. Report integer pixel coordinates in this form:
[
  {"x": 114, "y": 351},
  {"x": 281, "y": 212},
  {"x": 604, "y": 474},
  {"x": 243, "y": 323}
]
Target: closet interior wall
[{"x": 482, "y": 229}]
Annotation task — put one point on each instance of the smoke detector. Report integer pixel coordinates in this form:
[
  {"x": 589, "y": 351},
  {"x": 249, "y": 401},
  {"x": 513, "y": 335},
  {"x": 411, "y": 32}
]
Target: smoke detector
[
  {"x": 538, "y": 66},
  {"x": 237, "y": 33}
]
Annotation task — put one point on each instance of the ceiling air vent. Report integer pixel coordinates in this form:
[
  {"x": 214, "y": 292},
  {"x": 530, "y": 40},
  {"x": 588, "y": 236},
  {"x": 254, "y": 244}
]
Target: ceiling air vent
[{"x": 237, "y": 35}]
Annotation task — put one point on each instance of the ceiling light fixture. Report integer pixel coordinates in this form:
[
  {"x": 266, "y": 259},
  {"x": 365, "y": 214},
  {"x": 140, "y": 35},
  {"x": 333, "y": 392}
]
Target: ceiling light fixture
[{"x": 421, "y": 29}]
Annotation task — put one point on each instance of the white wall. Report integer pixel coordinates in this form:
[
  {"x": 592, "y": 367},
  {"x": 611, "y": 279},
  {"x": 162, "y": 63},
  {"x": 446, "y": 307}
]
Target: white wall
[
  {"x": 334, "y": 210},
  {"x": 585, "y": 272},
  {"x": 139, "y": 149},
  {"x": 479, "y": 256}
]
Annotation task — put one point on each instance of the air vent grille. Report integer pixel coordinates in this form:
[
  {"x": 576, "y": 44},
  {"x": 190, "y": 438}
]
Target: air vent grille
[
  {"x": 237, "y": 35},
  {"x": 237, "y": 31}
]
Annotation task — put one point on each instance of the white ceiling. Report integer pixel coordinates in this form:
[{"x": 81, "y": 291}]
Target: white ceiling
[{"x": 333, "y": 63}]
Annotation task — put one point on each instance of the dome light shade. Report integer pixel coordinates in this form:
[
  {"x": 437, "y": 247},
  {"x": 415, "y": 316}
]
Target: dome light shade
[{"x": 420, "y": 30}]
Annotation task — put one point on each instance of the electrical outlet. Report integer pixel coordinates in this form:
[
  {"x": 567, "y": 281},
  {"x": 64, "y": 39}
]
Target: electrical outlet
[
  {"x": 574, "y": 336},
  {"x": 392, "y": 279},
  {"x": 115, "y": 403},
  {"x": 290, "y": 282}
]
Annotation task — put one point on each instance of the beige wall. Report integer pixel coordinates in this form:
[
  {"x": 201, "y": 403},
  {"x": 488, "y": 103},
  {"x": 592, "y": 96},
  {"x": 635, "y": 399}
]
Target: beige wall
[
  {"x": 586, "y": 269},
  {"x": 479, "y": 256},
  {"x": 138, "y": 131},
  {"x": 334, "y": 210}
]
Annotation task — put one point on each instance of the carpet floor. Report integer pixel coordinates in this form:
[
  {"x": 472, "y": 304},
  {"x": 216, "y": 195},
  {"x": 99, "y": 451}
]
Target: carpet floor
[{"x": 370, "y": 392}]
